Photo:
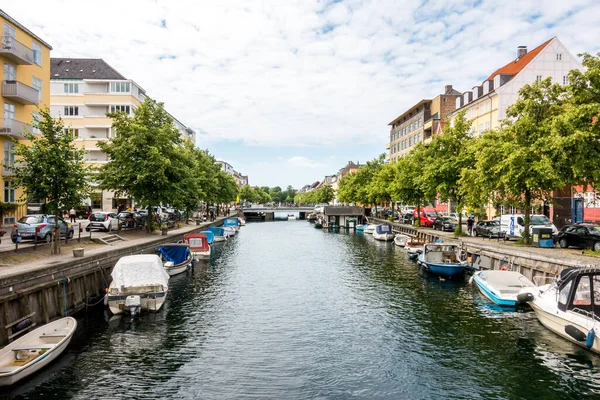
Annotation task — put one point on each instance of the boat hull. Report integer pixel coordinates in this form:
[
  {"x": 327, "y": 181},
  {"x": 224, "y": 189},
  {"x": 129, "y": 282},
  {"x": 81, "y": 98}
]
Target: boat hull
[
  {"x": 149, "y": 302},
  {"x": 201, "y": 255},
  {"x": 444, "y": 270},
  {"x": 220, "y": 238},
  {"x": 386, "y": 237}
]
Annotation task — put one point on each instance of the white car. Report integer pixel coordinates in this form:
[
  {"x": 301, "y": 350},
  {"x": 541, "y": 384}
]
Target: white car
[{"x": 106, "y": 221}]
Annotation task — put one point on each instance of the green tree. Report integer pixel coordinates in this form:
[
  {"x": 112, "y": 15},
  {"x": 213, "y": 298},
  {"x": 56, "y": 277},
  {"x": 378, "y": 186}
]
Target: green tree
[
  {"x": 520, "y": 161},
  {"x": 51, "y": 168},
  {"x": 227, "y": 188},
  {"x": 379, "y": 187},
  {"x": 325, "y": 194},
  {"x": 248, "y": 194},
  {"x": 145, "y": 157},
  {"x": 347, "y": 189}
]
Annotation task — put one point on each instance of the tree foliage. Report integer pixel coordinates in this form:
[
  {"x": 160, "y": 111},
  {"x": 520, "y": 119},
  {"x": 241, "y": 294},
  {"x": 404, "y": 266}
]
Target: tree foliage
[{"x": 323, "y": 195}]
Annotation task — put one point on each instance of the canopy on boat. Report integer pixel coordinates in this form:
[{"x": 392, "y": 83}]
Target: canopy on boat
[
  {"x": 197, "y": 241},
  {"x": 140, "y": 270},
  {"x": 231, "y": 222},
  {"x": 385, "y": 228},
  {"x": 217, "y": 230},
  {"x": 209, "y": 236},
  {"x": 176, "y": 253}
]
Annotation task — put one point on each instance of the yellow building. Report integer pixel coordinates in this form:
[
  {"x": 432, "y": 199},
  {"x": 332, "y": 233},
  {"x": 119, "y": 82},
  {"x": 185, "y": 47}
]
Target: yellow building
[
  {"x": 82, "y": 91},
  {"x": 25, "y": 87}
]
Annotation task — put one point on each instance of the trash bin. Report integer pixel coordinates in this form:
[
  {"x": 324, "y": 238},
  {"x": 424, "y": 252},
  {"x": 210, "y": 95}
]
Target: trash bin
[{"x": 542, "y": 237}]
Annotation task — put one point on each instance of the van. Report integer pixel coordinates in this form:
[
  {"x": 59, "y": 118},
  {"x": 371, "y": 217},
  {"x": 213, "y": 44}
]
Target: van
[{"x": 513, "y": 224}]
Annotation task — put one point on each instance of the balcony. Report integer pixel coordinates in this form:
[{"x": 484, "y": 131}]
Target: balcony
[
  {"x": 20, "y": 92},
  {"x": 15, "y": 51},
  {"x": 14, "y": 128}
]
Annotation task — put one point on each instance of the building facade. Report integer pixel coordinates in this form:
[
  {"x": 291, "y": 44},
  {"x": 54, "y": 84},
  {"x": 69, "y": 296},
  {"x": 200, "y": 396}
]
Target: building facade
[
  {"x": 441, "y": 108},
  {"x": 25, "y": 87},
  {"x": 241, "y": 180},
  {"x": 83, "y": 91}
]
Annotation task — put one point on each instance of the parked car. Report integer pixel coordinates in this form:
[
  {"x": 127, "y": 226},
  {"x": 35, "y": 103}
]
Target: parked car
[
  {"x": 513, "y": 224},
  {"x": 580, "y": 235},
  {"x": 29, "y": 226},
  {"x": 106, "y": 221},
  {"x": 488, "y": 229},
  {"x": 426, "y": 218},
  {"x": 131, "y": 219},
  {"x": 444, "y": 224},
  {"x": 407, "y": 219},
  {"x": 388, "y": 214}
]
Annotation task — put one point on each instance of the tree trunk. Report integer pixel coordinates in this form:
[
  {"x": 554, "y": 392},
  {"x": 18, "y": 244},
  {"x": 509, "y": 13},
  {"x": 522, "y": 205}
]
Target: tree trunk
[
  {"x": 526, "y": 218},
  {"x": 55, "y": 245},
  {"x": 149, "y": 220},
  {"x": 459, "y": 212},
  {"x": 418, "y": 220}
]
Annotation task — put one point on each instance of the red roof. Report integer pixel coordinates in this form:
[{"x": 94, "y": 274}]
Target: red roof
[{"x": 515, "y": 66}]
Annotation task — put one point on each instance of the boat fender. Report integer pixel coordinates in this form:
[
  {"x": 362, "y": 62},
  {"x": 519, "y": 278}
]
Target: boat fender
[
  {"x": 575, "y": 333},
  {"x": 105, "y": 300},
  {"x": 22, "y": 325},
  {"x": 589, "y": 340},
  {"x": 523, "y": 298}
]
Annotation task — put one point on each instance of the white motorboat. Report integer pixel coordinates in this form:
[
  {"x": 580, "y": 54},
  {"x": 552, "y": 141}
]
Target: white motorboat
[
  {"x": 501, "y": 287},
  {"x": 229, "y": 231},
  {"x": 242, "y": 221},
  {"x": 370, "y": 228},
  {"x": 291, "y": 217},
  {"x": 177, "y": 257},
  {"x": 401, "y": 239},
  {"x": 569, "y": 306},
  {"x": 35, "y": 350},
  {"x": 139, "y": 283},
  {"x": 198, "y": 243},
  {"x": 383, "y": 232}
]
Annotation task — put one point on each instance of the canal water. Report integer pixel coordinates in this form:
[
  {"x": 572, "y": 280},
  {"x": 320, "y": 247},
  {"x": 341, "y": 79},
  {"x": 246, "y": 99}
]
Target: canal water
[{"x": 285, "y": 311}]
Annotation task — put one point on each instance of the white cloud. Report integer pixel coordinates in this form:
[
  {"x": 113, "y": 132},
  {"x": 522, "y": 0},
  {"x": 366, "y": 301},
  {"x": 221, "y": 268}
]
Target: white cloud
[
  {"x": 304, "y": 162},
  {"x": 303, "y": 72}
]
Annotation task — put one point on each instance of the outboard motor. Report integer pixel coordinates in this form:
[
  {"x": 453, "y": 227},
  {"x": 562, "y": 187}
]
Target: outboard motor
[{"x": 133, "y": 304}]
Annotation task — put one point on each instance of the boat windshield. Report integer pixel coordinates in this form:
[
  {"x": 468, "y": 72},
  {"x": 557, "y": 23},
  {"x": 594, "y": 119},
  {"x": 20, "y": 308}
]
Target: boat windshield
[{"x": 540, "y": 220}]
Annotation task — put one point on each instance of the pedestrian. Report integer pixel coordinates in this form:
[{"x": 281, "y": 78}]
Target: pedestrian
[
  {"x": 73, "y": 215},
  {"x": 65, "y": 215},
  {"x": 470, "y": 223},
  {"x": 212, "y": 214}
]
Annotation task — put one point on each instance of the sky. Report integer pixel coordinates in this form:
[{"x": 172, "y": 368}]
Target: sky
[{"x": 288, "y": 91}]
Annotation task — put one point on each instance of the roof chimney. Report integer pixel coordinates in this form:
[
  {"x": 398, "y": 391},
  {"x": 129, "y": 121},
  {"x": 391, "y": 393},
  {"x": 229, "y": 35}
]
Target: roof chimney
[
  {"x": 447, "y": 89},
  {"x": 521, "y": 51}
]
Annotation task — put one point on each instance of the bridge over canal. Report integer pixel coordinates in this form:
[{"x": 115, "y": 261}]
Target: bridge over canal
[{"x": 268, "y": 213}]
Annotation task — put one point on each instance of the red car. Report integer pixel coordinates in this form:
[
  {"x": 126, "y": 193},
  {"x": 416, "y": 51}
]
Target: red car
[{"x": 426, "y": 218}]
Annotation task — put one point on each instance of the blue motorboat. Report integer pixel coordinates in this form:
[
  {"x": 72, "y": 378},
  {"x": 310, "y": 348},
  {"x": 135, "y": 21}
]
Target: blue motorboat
[
  {"x": 218, "y": 233},
  {"x": 176, "y": 257},
  {"x": 442, "y": 260},
  {"x": 210, "y": 237},
  {"x": 232, "y": 222}
]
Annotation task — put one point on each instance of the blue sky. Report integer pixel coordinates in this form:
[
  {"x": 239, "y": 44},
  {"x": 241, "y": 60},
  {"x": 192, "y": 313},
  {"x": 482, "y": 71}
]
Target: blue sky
[{"x": 288, "y": 91}]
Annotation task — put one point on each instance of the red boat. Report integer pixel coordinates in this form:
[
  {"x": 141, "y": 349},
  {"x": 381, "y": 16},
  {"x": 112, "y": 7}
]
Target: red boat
[{"x": 198, "y": 245}]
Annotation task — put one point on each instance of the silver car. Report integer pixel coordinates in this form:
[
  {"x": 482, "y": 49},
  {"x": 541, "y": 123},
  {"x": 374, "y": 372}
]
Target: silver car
[{"x": 29, "y": 226}]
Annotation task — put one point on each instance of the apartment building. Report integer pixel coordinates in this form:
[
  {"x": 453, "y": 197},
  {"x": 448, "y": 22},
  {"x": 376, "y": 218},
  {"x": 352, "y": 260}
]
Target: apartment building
[
  {"x": 25, "y": 87},
  {"x": 441, "y": 107},
  {"x": 241, "y": 180},
  {"x": 83, "y": 91},
  {"x": 486, "y": 104}
]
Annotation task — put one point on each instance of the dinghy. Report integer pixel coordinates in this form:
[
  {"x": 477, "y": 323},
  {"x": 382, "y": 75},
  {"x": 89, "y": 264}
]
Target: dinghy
[
  {"x": 414, "y": 247},
  {"x": 139, "y": 283},
  {"x": 35, "y": 350},
  {"x": 370, "y": 228},
  {"x": 501, "y": 287},
  {"x": 401, "y": 239},
  {"x": 198, "y": 245},
  {"x": 383, "y": 232},
  {"x": 177, "y": 257}
]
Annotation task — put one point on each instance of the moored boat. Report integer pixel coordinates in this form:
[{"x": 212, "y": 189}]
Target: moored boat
[
  {"x": 401, "y": 239},
  {"x": 34, "y": 350},
  {"x": 414, "y": 247},
  {"x": 442, "y": 259},
  {"x": 370, "y": 228},
  {"x": 198, "y": 245},
  {"x": 229, "y": 231},
  {"x": 291, "y": 217},
  {"x": 569, "y": 306},
  {"x": 242, "y": 221},
  {"x": 210, "y": 237},
  {"x": 176, "y": 257},
  {"x": 231, "y": 222},
  {"x": 219, "y": 234},
  {"x": 361, "y": 228},
  {"x": 383, "y": 232},
  {"x": 311, "y": 217},
  {"x": 501, "y": 287},
  {"x": 139, "y": 283}
]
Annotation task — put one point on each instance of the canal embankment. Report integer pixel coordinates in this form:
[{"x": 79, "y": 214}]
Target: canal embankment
[
  {"x": 42, "y": 289},
  {"x": 537, "y": 264}
]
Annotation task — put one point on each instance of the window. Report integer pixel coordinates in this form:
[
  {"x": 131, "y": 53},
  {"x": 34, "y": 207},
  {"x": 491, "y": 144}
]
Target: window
[
  {"x": 480, "y": 128},
  {"x": 37, "y": 53},
  {"x": 9, "y": 31},
  {"x": 35, "y": 117},
  {"x": 411, "y": 127},
  {"x": 410, "y": 141},
  {"x": 419, "y": 137},
  {"x": 96, "y": 199},
  {"x": 538, "y": 78},
  {"x": 36, "y": 83},
  {"x": 119, "y": 87},
  {"x": 487, "y": 125},
  {"x": 125, "y": 109},
  {"x": 10, "y": 72},
  {"x": 71, "y": 110},
  {"x": 582, "y": 294},
  {"x": 9, "y": 110},
  {"x": 75, "y": 132},
  {"x": 565, "y": 80},
  {"x": 420, "y": 124},
  {"x": 9, "y": 155},
  {"x": 9, "y": 192},
  {"x": 558, "y": 57},
  {"x": 71, "y": 87},
  {"x": 563, "y": 295},
  {"x": 488, "y": 106}
]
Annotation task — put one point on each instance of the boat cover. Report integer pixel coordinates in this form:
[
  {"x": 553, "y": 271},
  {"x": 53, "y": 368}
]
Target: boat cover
[
  {"x": 231, "y": 222},
  {"x": 140, "y": 270},
  {"x": 381, "y": 229},
  {"x": 175, "y": 254},
  {"x": 505, "y": 281},
  {"x": 217, "y": 231},
  {"x": 209, "y": 236},
  {"x": 197, "y": 241}
]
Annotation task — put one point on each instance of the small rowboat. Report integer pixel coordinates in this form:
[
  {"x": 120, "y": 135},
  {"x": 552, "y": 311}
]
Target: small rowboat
[
  {"x": 35, "y": 350},
  {"x": 400, "y": 239}
]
